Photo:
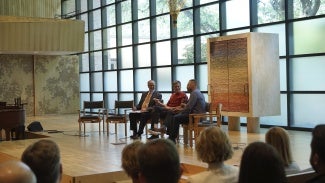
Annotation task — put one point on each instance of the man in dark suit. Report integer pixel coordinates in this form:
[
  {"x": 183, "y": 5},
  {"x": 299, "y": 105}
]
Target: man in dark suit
[{"x": 142, "y": 111}]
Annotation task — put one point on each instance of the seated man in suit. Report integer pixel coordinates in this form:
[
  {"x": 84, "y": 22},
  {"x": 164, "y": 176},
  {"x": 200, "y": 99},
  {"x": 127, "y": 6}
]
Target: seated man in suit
[{"x": 142, "y": 111}]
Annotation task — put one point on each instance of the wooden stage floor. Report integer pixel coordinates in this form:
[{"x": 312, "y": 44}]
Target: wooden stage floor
[{"x": 96, "y": 157}]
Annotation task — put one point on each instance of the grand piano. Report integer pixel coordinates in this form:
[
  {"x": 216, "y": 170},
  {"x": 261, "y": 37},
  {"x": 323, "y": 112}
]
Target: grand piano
[{"x": 12, "y": 119}]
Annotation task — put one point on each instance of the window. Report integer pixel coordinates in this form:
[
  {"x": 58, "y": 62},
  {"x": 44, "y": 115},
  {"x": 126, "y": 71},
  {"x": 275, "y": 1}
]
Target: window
[{"x": 128, "y": 43}]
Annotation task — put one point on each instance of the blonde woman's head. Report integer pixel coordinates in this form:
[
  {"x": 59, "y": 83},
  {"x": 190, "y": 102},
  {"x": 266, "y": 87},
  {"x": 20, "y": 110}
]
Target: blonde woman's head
[
  {"x": 278, "y": 137},
  {"x": 213, "y": 146}
]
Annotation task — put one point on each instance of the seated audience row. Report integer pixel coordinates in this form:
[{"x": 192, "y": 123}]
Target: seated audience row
[
  {"x": 260, "y": 162},
  {"x": 158, "y": 161},
  {"x": 40, "y": 162}
]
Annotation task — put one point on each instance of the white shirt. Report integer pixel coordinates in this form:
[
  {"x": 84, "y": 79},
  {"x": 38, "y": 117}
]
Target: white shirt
[{"x": 224, "y": 174}]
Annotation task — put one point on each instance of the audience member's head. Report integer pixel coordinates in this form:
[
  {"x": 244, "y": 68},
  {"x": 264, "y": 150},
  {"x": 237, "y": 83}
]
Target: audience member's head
[
  {"x": 159, "y": 162},
  {"x": 213, "y": 146},
  {"x": 130, "y": 159},
  {"x": 317, "y": 155},
  {"x": 279, "y": 139},
  {"x": 16, "y": 172},
  {"x": 43, "y": 157},
  {"x": 261, "y": 163}
]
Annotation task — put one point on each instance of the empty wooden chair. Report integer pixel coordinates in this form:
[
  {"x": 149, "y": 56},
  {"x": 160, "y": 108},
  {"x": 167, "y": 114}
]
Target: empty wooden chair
[
  {"x": 92, "y": 112},
  {"x": 120, "y": 114}
]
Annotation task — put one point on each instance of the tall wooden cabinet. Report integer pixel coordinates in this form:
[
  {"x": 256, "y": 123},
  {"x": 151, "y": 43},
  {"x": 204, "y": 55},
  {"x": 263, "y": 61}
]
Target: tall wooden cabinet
[{"x": 244, "y": 74}]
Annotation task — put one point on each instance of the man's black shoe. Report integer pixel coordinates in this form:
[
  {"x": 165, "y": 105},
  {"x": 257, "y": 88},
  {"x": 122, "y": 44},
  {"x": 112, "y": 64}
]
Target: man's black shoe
[
  {"x": 134, "y": 137},
  {"x": 153, "y": 137}
]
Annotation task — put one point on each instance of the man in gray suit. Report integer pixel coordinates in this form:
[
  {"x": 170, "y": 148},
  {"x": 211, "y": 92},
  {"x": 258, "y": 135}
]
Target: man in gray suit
[{"x": 143, "y": 111}]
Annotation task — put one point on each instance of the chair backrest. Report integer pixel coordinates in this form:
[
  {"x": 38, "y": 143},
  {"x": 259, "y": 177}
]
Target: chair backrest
[
  {"x": 124, "y": 104},
  {"x": 127, "y": 104},
  {"x": 93, "y": 104}
]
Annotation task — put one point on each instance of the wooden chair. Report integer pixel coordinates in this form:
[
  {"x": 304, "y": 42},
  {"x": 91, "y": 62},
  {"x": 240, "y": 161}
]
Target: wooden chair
[
  {"x": 92, "y": 112},
  {"x": 114, "y": 115},
  {"x": 198, "y": 122},
  {"x": 301, "y": 177}
]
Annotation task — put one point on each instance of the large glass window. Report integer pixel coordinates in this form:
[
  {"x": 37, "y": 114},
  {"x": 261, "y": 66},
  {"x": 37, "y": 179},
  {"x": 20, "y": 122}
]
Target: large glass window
[
  {"x": 126, "y": 80},
  {"x": 183, "y": 78},
  {"x": 126, "y": 57},
  {"x": 144, "y": 31},
  {"x": 110, "y": 59},
  {"x": 96, "y": 21},
  {"x": 308, "y": 73},
  {"x": 109, "y": 38},
  {"x": 209, "y": 18},
  {"x": 143, "y": 8},
  {"x": 163, "y": 53},
  {"x": 126, "y": 11},
  {"x": 84, "y": 84},
  {"x": 164, "y": 79},
  {"x": 308, "y": 36},
  {"x": 270, "y": 11},
  {"x": 109, "y": 15},
  {"x": 142, "y": 76},
  {"x": 241, "y": 17},
  {"x": 185, "y": 23},
  {"x": 144, "y": 56},
  {"x": 110, "y": 81},
  {"x": 126, "y": 34},
  {"x": 308, "y": 8},
  {"x": 126, "y": 46},
  {"x": 185, "y": 51},
  {"x": 163, "y": 27},
  {"x": 97, "y": 81},
  {"x": 84, "y": 63},
  {"x": 307, "y": 110}
]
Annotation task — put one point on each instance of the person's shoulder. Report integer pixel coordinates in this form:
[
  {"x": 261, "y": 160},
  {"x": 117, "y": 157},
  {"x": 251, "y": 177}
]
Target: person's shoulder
[
  {"x": 199, "y": 177},
  {"x": 318, "y": 179},
  {"x": 183, "y": 93}
]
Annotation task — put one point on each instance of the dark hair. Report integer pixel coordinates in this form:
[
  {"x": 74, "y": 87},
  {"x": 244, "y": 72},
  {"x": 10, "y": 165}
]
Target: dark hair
[
  {"x": 261, "y": 163},
  {"x": 159, "y": 161},
  {"x": 318, "y": 142},
  {"x": 43, "y": 157},
  {"x": 176, "y": 82}
]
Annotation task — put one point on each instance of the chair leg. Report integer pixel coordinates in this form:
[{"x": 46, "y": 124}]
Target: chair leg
[
  {"x": 99, "y": 128},
  {"x": 107, "y": 127},
  {"x": 125, "y": 129},
  {"x": 115, "y": 128},
  {"x": 103, "y": 126},
  {"x": 185, "y": 134},
  {"x": 84, "y": 129},
  {"x": 79, "y": 128}
]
